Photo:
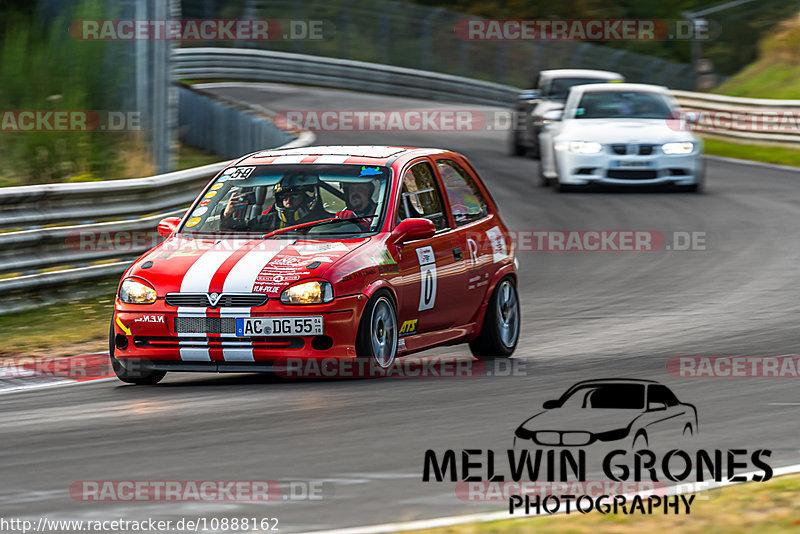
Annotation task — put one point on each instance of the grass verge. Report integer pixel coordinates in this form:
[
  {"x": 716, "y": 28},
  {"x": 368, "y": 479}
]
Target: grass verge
[
  {"x": 778, "y": 155},
  {"x": 769, "y": 507},
  {"x": 60, "y": 329}
]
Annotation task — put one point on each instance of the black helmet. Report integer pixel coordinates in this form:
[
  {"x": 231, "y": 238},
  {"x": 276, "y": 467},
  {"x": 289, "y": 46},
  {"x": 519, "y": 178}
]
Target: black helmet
[{"x": 297, "y": 182}]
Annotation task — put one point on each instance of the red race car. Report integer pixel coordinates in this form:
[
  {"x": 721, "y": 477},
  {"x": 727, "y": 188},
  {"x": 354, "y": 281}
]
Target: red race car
[{"x": 365, "y": 252}]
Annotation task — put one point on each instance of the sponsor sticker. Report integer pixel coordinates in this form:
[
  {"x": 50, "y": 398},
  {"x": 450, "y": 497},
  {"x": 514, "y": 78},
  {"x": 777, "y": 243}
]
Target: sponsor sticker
[
  {"x": 199, "y": 211},
  {"x": 240, "y": 173},
  {"x": 194, "y": 221},
  {"x": 210, "y": 194},
  {"x": 499, "y": 249},
  {"x": 427, "y": 272}
]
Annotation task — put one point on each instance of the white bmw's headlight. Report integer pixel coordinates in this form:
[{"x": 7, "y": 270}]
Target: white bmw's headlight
[
  {"x": 133, "y": 291},
  {"x": 678, "y": 148},
  {"x": 314, "y": 292},
  {"x": 585, "y": 147}
]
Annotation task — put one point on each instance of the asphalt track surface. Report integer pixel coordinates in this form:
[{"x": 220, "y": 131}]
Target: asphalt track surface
[{"x": 585, "y": 315}]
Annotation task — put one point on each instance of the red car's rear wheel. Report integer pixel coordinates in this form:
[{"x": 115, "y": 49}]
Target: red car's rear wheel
[{"x": 377, "y": 332}]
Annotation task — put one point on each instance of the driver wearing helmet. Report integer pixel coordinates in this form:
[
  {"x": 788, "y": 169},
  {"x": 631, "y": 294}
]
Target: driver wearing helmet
[{"x": 297, "y": 201}]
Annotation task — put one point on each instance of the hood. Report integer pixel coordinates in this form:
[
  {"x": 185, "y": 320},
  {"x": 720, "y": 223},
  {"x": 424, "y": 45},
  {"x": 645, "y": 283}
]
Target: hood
[
  {"x": 238, "y": 264},
  {"x": 581, "y": 419},
  {"x": 607, "y": 131}
]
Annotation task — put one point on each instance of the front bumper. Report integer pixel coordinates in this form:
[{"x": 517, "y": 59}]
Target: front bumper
[
  {"x": 147, "y": 335},
  {"x": 605, "y": 168}
]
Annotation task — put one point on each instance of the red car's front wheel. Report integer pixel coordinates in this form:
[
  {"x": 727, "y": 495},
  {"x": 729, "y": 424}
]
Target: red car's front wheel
[{"x": 128, "y": 376}]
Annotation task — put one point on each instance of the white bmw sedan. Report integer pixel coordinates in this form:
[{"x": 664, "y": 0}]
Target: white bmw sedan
[{"x": 620, "y": 134}]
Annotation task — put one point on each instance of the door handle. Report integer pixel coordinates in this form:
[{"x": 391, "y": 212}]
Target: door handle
[{"x": 457, "y": 254}]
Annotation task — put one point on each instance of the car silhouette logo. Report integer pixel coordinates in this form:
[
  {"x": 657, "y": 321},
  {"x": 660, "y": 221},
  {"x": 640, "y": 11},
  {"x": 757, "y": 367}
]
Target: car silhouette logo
[{"x": 606, "y": 410}]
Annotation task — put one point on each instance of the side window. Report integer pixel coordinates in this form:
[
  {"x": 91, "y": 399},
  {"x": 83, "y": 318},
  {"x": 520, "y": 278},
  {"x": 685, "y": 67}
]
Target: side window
[
  {"x": 660, "y": 393},
  {"x": 466, "y": 200},
  {"x": 420, "y": 197}
]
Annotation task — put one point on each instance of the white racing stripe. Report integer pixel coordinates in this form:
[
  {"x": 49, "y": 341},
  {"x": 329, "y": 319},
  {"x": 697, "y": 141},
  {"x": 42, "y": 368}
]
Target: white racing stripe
[
  {"x": 332, "y": 158},
  {"x": 240, "y": 279},
  {"x": 197, "y": 280},
  {"x": 291, "y": 158}
]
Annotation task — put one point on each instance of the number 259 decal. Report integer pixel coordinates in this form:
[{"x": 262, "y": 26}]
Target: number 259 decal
[{"x": 427, "y": 272}]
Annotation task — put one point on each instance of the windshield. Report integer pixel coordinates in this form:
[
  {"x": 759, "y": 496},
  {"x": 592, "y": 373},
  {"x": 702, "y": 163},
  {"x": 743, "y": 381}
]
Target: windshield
[
  {"x": 609, "y": 396},
  {"x": 623, "y": 105},
  {"x": 559, "y": 87},
  {"x": 264, "y": 198}
]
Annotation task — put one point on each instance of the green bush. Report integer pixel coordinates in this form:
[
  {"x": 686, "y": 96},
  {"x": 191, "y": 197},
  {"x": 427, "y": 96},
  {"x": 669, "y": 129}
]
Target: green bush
[{"x": 44, "y": 68}]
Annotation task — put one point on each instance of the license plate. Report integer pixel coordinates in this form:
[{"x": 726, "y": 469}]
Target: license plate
[
  {"x": 632, "y": 164},
  {"x": 279, "y": 326}
]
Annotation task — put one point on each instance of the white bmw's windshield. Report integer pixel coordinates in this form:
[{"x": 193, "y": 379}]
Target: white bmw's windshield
[{"x": 623, "y": 105}]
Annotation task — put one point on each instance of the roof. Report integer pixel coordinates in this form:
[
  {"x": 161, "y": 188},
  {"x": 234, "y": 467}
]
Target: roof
[
  {"x": 356, "y": 154},
  {"x": 582, "y": 73},
  {"x": 642, "y": 87},
  {"x": 614, "y": 381}
]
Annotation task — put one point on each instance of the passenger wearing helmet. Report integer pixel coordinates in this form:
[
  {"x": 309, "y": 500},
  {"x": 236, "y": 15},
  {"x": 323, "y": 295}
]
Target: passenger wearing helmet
[{"x": 297, "y": 201}]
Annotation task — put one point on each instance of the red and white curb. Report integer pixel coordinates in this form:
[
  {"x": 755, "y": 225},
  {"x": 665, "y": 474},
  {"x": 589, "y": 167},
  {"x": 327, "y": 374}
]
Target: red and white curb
[{"x": 27, "y": 372}]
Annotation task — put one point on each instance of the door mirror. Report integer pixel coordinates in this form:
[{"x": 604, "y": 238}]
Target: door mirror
[
  {"x": 166, "y": 227},
  {"x": 412, "y": 230},
  {"x": 656, "y": 406},
  {"x": 549, "y": 405},
  {"x": 553, "y": 115}
]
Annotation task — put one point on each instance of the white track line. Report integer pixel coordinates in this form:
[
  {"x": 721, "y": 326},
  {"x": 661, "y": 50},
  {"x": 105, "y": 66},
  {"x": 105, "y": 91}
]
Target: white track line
[{"x": 496, "y": 516}]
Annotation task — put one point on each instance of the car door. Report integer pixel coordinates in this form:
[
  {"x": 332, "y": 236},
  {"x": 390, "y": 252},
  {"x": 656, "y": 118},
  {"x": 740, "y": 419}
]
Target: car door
[
  {"x": 472, "y": 236},
  {"x": 429, "y": 298}
]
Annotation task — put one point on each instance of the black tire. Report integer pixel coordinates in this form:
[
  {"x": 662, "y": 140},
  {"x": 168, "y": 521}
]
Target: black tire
[
  {"x": 494, "y": 339},
  {"x": 140, "y": 378},
  {"x": 534, "y": 151},
  {"x": 379, "y": 321},
  {"x": 543, "y": 180},
  {"x": 694, "y": 188},
  {"x": 514, "y": 146}
]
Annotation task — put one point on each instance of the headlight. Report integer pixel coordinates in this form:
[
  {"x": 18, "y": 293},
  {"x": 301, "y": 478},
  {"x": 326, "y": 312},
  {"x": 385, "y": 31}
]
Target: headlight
[
  {"x": 135, "y": 292},
  {"x": 308, "y": 293},
  {"x": 678, "y": 148},
  {"x": 585, "y": 147}
]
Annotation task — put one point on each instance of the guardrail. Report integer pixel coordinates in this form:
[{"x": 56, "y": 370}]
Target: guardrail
[
  {"x": 745, "y": 120},
  {"x": 40, "y": 249},
  {"x": 286, "y": 67}
]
